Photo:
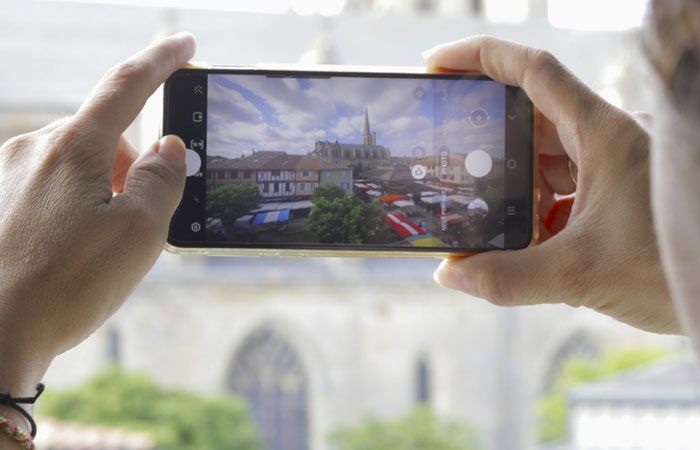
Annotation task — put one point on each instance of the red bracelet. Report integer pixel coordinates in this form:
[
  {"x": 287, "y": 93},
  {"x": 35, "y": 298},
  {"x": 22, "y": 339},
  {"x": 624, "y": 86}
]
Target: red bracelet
[{"x": 13, "y": 431}]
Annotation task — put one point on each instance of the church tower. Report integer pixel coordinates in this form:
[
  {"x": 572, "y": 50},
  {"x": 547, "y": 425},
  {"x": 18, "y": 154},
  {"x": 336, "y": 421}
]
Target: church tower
[{"x": 368, "y": 138}]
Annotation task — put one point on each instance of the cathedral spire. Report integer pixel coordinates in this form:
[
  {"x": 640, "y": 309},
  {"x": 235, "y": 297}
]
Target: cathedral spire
[{"x": 367, "y": 135}]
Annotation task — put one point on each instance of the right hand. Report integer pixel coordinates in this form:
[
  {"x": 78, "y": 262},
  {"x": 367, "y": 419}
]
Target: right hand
[{"x": 604, "y": 256}]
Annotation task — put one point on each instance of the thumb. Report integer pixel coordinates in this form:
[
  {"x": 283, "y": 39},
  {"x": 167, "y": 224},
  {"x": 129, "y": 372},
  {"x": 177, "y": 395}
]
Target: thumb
[
  {"x": 156, "y": 180},
  {"x": 507, "y": 277}
]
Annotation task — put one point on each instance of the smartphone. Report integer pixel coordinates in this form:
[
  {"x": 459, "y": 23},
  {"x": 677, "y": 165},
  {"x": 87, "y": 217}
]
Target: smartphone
[{"x": 348, "y": 162}]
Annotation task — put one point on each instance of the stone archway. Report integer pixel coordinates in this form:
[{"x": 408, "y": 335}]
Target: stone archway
[{"x": 269, "y": 374}]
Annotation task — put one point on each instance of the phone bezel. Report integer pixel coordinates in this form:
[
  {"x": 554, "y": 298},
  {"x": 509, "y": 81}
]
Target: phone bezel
[{"x": 527, "y": 217}]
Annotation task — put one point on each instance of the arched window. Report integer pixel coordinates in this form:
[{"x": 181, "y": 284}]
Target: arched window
[
  {"x": 578, "y": 345},
  {"x": 114, "y": 345},
  {"x": 422, "y": 382},
  {"x": 268, "y": 373}
]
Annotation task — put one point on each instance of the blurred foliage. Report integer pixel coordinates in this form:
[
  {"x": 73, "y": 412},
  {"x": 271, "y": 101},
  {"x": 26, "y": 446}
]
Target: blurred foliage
[
  {"x": 177, "y": 419},
  {"x": 337, "y": 217},
  {"x": 552, "y": 408},
  {"x": 418, "y": 430}
]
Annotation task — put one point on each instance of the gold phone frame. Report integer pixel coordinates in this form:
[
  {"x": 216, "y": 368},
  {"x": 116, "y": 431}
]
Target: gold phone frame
[{"x": 349, "y": 253}]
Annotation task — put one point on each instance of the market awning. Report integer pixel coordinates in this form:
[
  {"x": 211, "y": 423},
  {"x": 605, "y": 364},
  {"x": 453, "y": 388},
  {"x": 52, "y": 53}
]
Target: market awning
[
  {"x": 426, "y": 241},
  {"x": 461, "y": 199},
  {"x": 432, "y": 200},
  {"x": 453, "y": 219},
  {"x": 278, "y": 206},
  {"x": 360, "y": 186},
  {"x": 392, "y": 198},
  {"x": 429, "y": 193},
  {"x": 243, "y": 221},
  {"x": 374, "y": 193},
  {"x": 403, "y": 227},
  {"x": 439, "y": 188},
  {"x": 374, "y": 186},
  {"x": 404, "y": 203},
  {"x": 271, "y": 217}
]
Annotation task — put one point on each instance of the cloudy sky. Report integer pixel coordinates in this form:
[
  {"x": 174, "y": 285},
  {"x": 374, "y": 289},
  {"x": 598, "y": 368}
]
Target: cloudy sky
[{"x": 291, "y": 114}]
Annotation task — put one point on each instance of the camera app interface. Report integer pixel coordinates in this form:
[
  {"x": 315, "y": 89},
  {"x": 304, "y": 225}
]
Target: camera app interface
[{"x": 349, "y": 160}]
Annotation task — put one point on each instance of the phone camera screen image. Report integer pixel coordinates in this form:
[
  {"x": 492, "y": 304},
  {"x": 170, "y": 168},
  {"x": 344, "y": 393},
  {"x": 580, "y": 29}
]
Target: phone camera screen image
[{"x": 345, "y": 160}]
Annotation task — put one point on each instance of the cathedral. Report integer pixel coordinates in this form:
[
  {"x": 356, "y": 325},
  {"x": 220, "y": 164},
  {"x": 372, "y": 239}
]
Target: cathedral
[{"x": 369, "y": 154}]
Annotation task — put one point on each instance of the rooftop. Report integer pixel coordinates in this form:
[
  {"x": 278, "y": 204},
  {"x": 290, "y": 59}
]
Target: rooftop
[
  {"x": 271, "y": 160},
  {"x": 674, "y": 381}
]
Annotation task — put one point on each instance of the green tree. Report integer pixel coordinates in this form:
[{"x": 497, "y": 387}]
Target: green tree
[
  {"x": 177, "y": 419},
  {"x": 552, "y": 408},
  {"x": 418, "y": 430},
  {"x": 340, "y": 218},
  {"x": 232, "y": 201},
  {"x": 328, "y": 192}
]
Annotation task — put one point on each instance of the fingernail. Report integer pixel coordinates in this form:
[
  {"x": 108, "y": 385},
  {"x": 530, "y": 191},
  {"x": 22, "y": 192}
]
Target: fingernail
[
  {"x": 172, "y": 149},
  {"x": 183, "y": 35},
  {"x": 186, "y": 38},
  {"x": 426, "y": 54},
  {"x": 451, "y": 278}
]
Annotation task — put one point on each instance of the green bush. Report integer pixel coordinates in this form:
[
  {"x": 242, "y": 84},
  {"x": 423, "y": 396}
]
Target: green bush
[
  {"x": 177, "y": 419},
  {"x": 418, "y": 430},
  {"x": 552, "y": 408}
]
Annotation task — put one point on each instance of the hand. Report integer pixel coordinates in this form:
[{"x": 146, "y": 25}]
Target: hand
[
  {"x": 83, "y": 216},
  {"x": 601, "y": 252}
]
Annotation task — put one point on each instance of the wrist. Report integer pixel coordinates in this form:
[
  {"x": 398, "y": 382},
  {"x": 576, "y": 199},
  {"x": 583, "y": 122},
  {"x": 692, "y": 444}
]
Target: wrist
[{"x": 21, "y": 369}]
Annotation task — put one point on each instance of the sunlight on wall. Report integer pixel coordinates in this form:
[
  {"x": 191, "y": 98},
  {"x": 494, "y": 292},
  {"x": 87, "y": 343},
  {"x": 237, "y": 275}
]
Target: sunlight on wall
[
  {"x": 596, "y": 15},
  {"x": 506, "y": 10}
]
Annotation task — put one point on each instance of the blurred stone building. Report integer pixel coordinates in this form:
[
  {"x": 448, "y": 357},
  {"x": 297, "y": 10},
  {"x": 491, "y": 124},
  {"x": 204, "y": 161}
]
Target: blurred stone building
[{"x": 315, "y": 345}]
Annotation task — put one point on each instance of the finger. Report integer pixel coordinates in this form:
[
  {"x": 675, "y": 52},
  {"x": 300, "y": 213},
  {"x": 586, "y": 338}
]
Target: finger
[
  {"x": 645, "y": 119},
  {"x": 505, "y": 278},
  {"x": 548, "y": 141},
  {"x": 126, "y": 155},
  {"x": 557, "y": 174},
  {"x": 121, "y": 94},
  {"x": 561, "y": 97},
  {"x": 546, "y": 199},
  {"x": 155, "y": 181}
]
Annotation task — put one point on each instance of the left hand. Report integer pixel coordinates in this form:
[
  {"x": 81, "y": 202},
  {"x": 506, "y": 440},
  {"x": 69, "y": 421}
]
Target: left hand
[{"x": 83, "y": 216}]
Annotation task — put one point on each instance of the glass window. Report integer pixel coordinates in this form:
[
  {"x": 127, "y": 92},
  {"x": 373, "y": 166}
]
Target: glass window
[
  {"x": 269, "y": 374},
  {"x": 422, "y": 381}
]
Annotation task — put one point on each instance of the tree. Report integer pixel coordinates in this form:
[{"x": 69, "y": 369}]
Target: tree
[
  {"x": 327, "y": 192},
  {"x": 177, "y": 419},
  {"x": 552, "y": 408},
  {"x": 340, "y": 218},
  {"x": 418, "y": 430},
  {"x": 232, "y": 201}
]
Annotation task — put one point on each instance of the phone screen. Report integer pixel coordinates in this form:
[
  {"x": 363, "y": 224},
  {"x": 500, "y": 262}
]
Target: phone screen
[{"x": 289, "y": 159}]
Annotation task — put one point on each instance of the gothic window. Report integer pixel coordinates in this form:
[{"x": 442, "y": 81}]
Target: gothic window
[
  {"x": 422, "y": 382},
  {"x": 268, "y": 373},
  {"x": 114, "y": 345},
  {"x": 579, "y": 345}
]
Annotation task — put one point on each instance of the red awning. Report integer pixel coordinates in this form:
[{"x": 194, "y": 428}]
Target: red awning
[
  {"x": 392, "y": 198},
  {"x": 403, "y": 227}
]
